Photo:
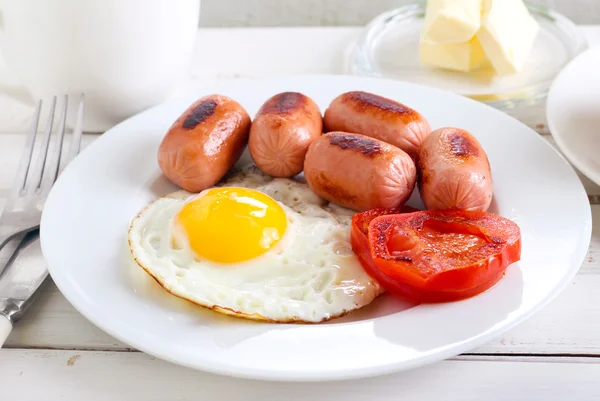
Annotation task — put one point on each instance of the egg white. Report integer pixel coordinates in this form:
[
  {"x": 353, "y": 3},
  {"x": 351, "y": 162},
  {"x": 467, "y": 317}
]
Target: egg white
[{"x": 310, "y": 275}]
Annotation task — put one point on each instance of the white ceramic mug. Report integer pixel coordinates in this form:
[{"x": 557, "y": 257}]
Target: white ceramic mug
[{"x": 125, "y": 55}]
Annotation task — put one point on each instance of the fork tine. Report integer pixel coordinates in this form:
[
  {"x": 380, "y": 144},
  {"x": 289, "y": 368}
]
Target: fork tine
[
  {"x": 54, "y": 158},
  {"x": 77, "y": 130},
  {"x": 36, "y": 178},
  {"x": 25, "y": 162},
  {"x": 61, "y": 136}
]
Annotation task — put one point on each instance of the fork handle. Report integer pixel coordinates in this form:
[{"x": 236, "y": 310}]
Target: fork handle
[
  {"x": 4, "y": 238},
  {"x": 5, "y": 328},
  {"x": 7, "y": 234}
]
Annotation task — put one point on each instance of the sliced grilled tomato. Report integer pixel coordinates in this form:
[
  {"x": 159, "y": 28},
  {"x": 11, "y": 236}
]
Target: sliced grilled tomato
[
  {"x": 435, "y": 255},
  {"x": 360, "y": 245}
]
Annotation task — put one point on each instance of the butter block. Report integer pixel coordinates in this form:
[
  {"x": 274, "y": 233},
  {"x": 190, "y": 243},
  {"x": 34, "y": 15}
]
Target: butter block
[
  {"x": 464, "y": 57},
  {"x": 507, "y": 34},
  {"x": 452, "y": 21}
]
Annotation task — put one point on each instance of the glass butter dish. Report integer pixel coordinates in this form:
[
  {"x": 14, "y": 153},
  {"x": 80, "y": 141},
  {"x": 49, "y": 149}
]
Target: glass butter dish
[{"x": 388, "y": 47}]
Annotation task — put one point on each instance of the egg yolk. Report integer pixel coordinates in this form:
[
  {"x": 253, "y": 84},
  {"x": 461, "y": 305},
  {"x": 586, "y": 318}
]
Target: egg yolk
[{"x": 231, "y": 225}]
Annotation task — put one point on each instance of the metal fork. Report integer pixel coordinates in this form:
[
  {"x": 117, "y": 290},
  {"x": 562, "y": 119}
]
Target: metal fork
[{"x": 36, "y": 175}]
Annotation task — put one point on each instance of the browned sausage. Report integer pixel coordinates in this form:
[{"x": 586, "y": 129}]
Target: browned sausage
[
  {"x": 454, "y": 171},
  {"x": 377, "y": 117},
  {"x": 204, "y": 142},
  {"x": 281, "y": 131},
  {"x": 359, "y": 172}
]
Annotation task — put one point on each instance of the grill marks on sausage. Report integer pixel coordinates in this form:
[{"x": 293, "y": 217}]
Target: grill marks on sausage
[
  {"x": 423, "y": 176},
  {"x": 200, "y": 113},
  {"x": 364, "y": 145},
  {"x": 284, "y": 103},
  {"x": 366, "y": 100},
  {"x": 462, "y": 145}
]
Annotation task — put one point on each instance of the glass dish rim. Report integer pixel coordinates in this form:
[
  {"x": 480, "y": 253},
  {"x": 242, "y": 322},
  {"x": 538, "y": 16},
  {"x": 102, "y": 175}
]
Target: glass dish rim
[{"x": 360, "y": 63}]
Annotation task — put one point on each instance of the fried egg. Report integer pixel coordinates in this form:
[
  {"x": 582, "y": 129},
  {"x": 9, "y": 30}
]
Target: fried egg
[{"x": 254, "y": 247}]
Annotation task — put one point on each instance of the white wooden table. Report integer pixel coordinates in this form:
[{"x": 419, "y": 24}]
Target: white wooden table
[{"x": 55, "y": 353}]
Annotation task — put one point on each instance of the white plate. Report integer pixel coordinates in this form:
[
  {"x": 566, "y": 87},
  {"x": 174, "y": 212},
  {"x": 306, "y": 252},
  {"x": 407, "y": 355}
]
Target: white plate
[
  {"x": 573, "y": 112},
  {"x": 86, "y": 216}
]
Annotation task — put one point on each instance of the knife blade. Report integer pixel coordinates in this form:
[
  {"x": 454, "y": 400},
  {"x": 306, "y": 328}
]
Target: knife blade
[{"x": 22, "y": 277}]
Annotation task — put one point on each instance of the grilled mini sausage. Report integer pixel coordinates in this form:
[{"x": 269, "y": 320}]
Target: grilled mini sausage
[
  {"x": 378, "y": 117},
  {"x": 454, "y": 171},
  {"x": 281, "y": 132},
  {"x": 359, "y": 172},
  {"x": 204, "y": 142}
]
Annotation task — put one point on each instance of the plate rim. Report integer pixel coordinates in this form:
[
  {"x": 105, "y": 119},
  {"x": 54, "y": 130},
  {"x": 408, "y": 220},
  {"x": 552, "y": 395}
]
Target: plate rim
[
  {"x": 554, "y": 131},
  {"x": 61, "y": 281}
]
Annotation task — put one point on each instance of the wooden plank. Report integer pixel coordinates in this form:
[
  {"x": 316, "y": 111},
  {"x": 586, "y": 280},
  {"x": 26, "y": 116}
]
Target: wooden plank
[
  {"x": 233, "y": 13},
  {"x": 90, "y": 375},
  {"x": 568, "y": 325},
  {"x": 51, "y": 322}
]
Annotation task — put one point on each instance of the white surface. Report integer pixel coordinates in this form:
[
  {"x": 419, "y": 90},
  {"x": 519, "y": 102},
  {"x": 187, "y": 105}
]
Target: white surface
[
  {"x": 5, "y": 329},
  {"x": 342, "y": 12},
  {"x": 574, "y": 113},
  {"x": 116, "y": 183},
  {"x": 148, "y": 59},
  {"x": 126, "y": 376},
  {"x": 568, "y": 326},
  {"x": 298, "y": 50}
]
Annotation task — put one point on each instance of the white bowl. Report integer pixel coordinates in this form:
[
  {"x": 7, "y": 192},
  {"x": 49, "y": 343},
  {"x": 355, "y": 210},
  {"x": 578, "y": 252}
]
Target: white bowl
[{"x": 573, "y": 112}]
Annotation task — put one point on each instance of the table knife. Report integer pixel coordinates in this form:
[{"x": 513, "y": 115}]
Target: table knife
[{"x": 22, "y": 277}]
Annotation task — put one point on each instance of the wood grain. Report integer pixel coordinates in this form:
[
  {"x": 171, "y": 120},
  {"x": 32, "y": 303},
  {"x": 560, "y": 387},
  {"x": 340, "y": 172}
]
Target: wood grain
[{"x": 91, "y": 376}]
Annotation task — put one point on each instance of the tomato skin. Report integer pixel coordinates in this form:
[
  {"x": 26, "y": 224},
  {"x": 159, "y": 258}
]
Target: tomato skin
[
  {"x": 455, "y": 282},
  {"x": 360, "y": 246}
]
